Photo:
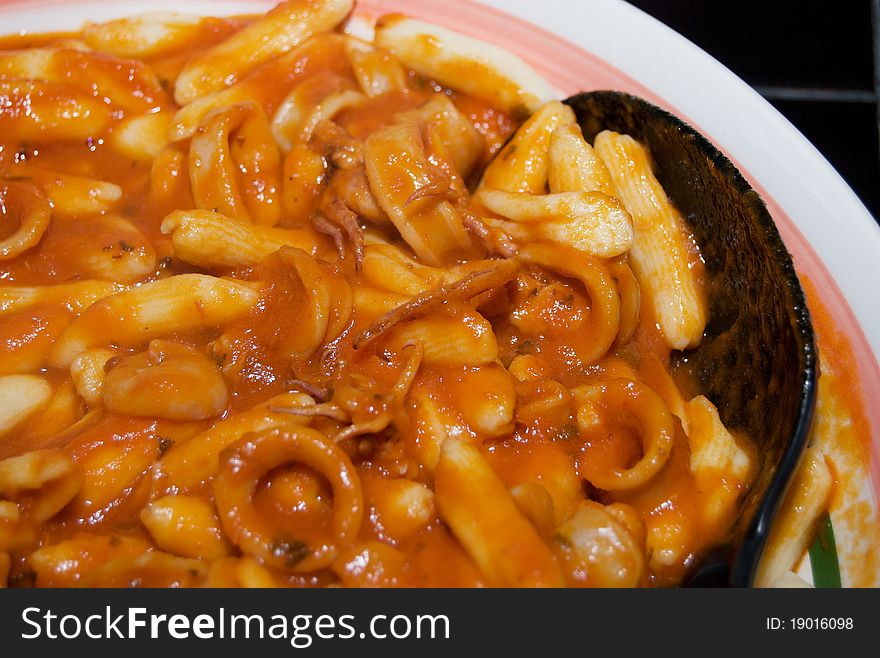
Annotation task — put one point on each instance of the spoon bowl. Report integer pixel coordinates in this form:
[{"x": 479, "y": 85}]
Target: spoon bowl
[{"x": 757, "y": 360}]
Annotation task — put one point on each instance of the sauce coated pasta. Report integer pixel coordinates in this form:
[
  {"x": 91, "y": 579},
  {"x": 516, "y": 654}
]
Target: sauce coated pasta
[{"x": 285, "y": 306}]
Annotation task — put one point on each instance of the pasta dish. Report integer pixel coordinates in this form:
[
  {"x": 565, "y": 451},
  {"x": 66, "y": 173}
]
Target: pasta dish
[{"x": 286, "y": 305}]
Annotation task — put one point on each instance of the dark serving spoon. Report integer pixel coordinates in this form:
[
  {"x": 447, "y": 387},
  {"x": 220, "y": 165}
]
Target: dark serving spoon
[{"x": 757, "y": 361}]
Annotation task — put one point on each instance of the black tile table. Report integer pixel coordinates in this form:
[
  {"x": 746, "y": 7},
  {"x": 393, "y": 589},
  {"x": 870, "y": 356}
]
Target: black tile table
[{"x": 815, "y": 61}]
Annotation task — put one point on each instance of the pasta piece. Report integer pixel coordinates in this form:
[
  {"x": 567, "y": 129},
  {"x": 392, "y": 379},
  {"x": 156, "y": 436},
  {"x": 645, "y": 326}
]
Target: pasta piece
[
  {"x": 188, "y": 464},
  {"x": 486, "y": 399},
  {"x": 587, "y": 221},
  {"x": 315, "y": 99},
  {"x": 371, "y": 304},
  {"x": 536, "y": 504},
  {"x": 371, "y": 564},
  {"x": 128, "y": 85},
  {"x": 458, "y": 337},
  {"x": 474, "y": 502},
  {"x": 37, "y": 112},
  {"x": 185, "y": 526},
  {"x": 26, "y": 338},
  {"x": 280, "y": 30},
  {"x": 24, "y": 206},
  {"x": 387, "y": 267},
  {"x": 670, "y": 532},
  {"x": 72, "y": 196},
  {"x": 151, "y": 569},
  {"x": 114, "y": 468},
  {"x": 41, "y": 482},
  {"x": 61, "y": 412},
  {"x": 247, "y": 462},
  {"x": 523, "y": 164},
  {"x": 399, "y": 172},
  {"x": 528, "y": 368},
  {"x": 632, "y": 405},
  {"x": 240, "y": 572},
  {"x": 35, "y": 63},
  {"x": 108, "y": 247},
  {"x": 66, "y": 563},
  {"x": 476, "y": 67},
  {"x": 721, "y": 468},
  {"x": 234, "y": 166},
  {"x": 660, "y": 252},
  {"x": 75, "y": 297},
  {"x": 792, "y": 530},
  {"x": 144, "y": 35},
  {"x": 459, "y": 137},
  {"x": 596, "y": 550},
  {"x": 403, "y": 507},
  {"x": 88, "y": 373},
  {"x": 169, "y": 178},
  {"x": 377, "y": 72},
  {"x": 573, "y": 164},
  {"x": 551, "y": 467},
  {"x": 178, "y": 303},
  {"x": 432, "y": 427},
  {"x": 490, "y": 275},
  {"x": 268, "y": 83},
  {"x": 21, "y": 396},
  {"x": 142, "y": 137},
  {"x": 327, "y": 110},
  {"x": 288, "y": 121},
  {"x": 209, "y": 239},
  {"x": 170, "y": 381}
]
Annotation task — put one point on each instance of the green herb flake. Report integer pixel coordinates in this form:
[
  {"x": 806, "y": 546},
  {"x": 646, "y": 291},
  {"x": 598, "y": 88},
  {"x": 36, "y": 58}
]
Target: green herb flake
[
  {"x": 567, "y": 432},
  {"x": 525, "y": 347},
  {"x": 292, "y": 552},
  {"x": 823, "y": 556},
  {"x": 164, "y": 444}
]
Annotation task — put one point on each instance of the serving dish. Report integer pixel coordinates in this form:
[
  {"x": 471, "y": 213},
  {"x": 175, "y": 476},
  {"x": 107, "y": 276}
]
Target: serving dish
[
  {"x": 507, "y": 32},
  {"x": 832, "y": 237}
]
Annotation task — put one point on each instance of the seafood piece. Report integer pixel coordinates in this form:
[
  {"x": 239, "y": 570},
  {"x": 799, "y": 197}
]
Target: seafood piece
[
  {"x": 409, "y": 188},
  {"x": 280, "y": 30},
  {"x": 474, "y": 66}
]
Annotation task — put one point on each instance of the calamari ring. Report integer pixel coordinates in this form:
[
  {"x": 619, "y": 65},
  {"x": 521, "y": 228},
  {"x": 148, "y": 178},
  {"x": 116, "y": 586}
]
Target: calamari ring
[
  {"x": 631, "y": 403},
  {"x": 246, "y": 463},
  {"x": 27, "y": 204},
  {"x": 592, "y": 342},
  {"x": 217, "y": 162},
  {"x": 630, "y": 299},
  {"x": 314, "y": 313}
]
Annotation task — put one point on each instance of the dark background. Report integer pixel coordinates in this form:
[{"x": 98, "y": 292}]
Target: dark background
[{"x": 813, "y": 60}]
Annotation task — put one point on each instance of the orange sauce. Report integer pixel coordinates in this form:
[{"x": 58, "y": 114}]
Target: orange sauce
[{"x": 549, "y": 449}]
